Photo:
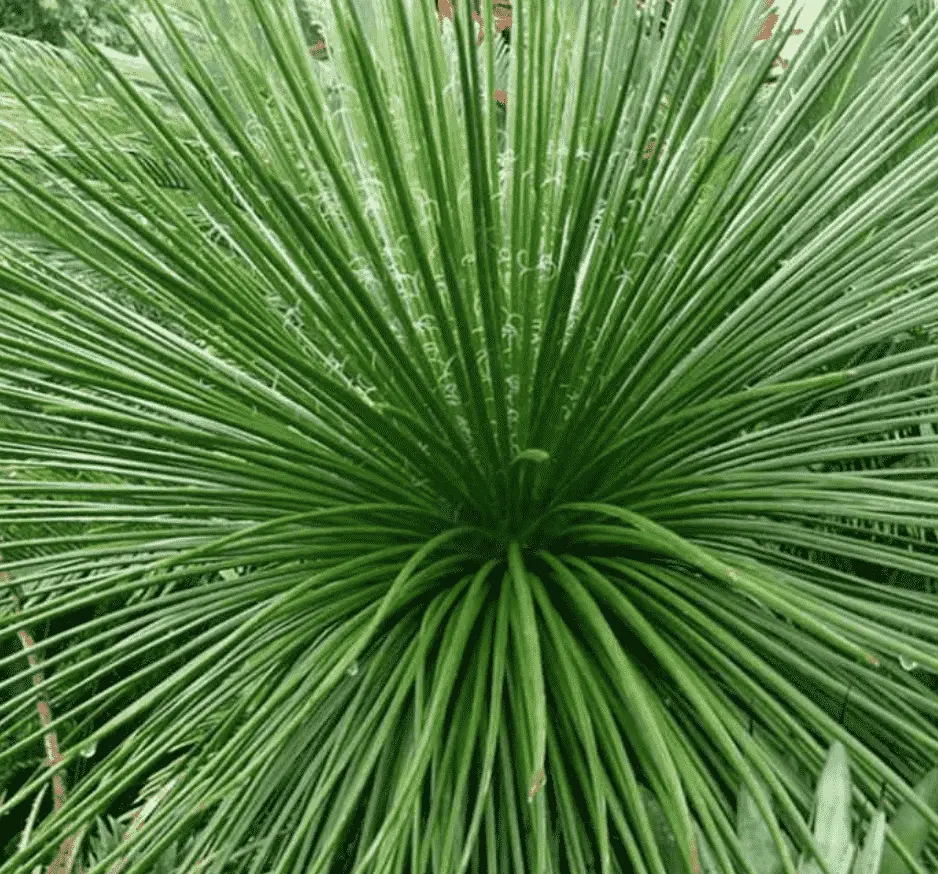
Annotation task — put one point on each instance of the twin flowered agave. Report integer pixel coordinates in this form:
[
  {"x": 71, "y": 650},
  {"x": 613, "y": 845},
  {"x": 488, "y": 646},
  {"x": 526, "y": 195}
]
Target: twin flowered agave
[{"x": 343, "y": 575}]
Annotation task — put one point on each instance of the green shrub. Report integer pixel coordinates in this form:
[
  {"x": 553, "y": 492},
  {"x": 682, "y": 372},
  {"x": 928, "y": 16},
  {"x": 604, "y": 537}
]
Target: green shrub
[{"x": 395, "y": 481}]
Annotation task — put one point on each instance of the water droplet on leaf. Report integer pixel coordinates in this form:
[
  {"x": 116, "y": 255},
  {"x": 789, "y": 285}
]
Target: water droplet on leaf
[
  {"x": 538, "y": 456},
  {"x": 907, "y": 663},
  {"x": 353, "y": 669},
  {"x": 88, "y": 751}
]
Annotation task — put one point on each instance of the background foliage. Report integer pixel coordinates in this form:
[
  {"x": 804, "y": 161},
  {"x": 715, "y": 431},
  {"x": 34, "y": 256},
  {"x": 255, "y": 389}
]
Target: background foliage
[{"x": 48, "y": 20}]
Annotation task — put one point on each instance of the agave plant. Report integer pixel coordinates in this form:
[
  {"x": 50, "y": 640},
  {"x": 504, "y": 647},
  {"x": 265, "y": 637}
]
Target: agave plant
[{"x": 395, "y": 481}]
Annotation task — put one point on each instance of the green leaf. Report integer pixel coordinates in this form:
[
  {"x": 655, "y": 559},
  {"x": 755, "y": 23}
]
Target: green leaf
[
  {"x": 832, "y": 815},
  {"x": 708, "y": 864},
  {"x": 755, "y": 837},
  {"x": 870, "y": 857},
  {"x": 910, "y": 827},
  {"x": 671, "y": 856},
  {"x": 863, "y": 63},
  {"x": 738, "y": 13}
]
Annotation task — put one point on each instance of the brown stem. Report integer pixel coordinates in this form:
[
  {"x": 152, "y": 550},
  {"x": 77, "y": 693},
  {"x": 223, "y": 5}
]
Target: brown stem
[{"x": 64, "y": 859}]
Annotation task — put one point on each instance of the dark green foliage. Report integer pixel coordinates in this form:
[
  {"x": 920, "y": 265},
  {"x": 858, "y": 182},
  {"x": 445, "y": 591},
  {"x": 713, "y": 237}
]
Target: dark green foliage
[{"x": 49, "y": 20}]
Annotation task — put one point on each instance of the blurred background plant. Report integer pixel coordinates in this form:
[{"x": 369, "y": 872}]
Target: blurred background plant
[{"x": 97, "y": 21}]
